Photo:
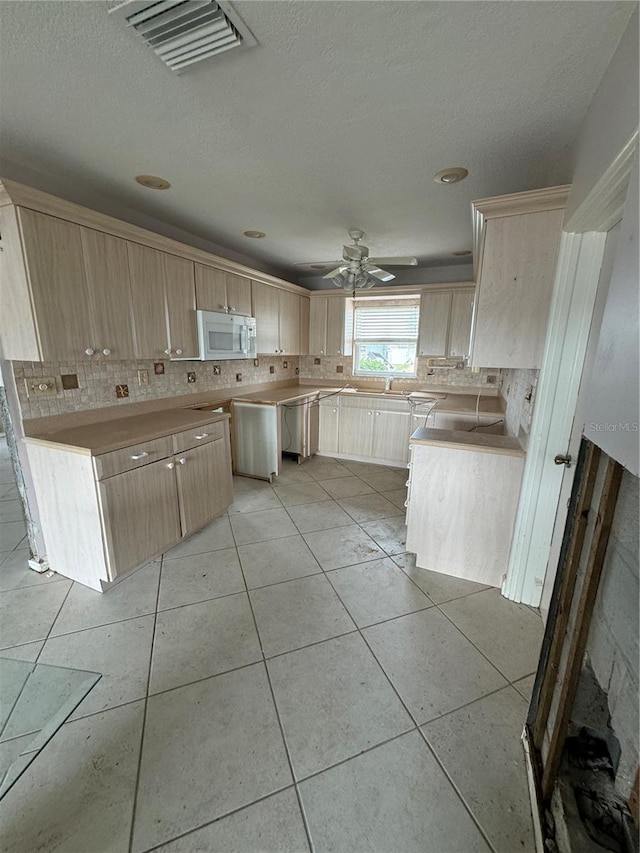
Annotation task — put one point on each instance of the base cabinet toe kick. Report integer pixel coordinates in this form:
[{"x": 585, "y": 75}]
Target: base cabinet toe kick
[{"x": 106, "y": 515}]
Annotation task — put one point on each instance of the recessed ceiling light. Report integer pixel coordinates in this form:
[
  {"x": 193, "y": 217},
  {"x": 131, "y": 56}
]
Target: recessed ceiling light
[
  {"x": 153, "y": 182},
  {"x": 256, "y": 235},
  {"x": 451, "y": 175},
  {"x": 462, "y": 253},
  {"x": 318, "y": 266}
]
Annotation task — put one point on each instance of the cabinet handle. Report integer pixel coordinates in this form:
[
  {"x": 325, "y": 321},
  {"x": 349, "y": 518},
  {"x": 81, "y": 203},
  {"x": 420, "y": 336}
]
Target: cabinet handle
[
  {"x": 171, "y": 465},
  {"x": 232, "y": 308},
  {"x": 89, "y": 351},
  {"x": 377, "y": 414},
  {"x": 167, "y": 352},
  {"x": 202, "y": 435},
  {"x": 369, "y": 413},
  {"x": 335, "y": 410},
  {"x": 106, "y": 351},
  {"x": 178, "y": 352},
  {"x": 406, "y": 503},
  {"x": 137, "y": 456},
  {"x": 408, "y": 483},
  {"x": 182, "y": 461}
]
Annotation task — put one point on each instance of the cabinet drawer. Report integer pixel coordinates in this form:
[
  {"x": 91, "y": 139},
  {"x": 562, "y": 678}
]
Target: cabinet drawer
[
  {"x": 196, "y": 436},
  {"x": 119, "y": 461}
]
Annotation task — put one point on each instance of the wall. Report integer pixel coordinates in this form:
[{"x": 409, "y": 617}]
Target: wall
[
  {"x": 610, "y": 121},
  {"x": 97, "y": 381},
  {"x": 611, "y": 416},
  {"x": 518, "y": 388},
  {"x": 612, "y": 644},
  {"x": 462, "y": 378}
]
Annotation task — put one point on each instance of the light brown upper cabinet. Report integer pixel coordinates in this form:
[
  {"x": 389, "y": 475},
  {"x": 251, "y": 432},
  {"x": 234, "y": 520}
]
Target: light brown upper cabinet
[
  {"x": 435, "y": 311},
  {"x": 330, "y": 325},
  {"x": 445, "y": 323},
  {"x": 304, "y": 325},
  {"x": 163, "y": 295},
  {"x": 277, "y": 313},
  {"x": 55, "y": 278},
  {"x": 217, "y": 290},
  {"x": 460, "y": 323},
  {"x": 181, "y": 306},
  {"x": 517, "y": 238},
  {"x": 109, "y": 292}
]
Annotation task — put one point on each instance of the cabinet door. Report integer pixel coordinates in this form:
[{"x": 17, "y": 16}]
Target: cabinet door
[
  {"x": 211, "y": 288},
  {"x": 109, "y": 291},
  {"x": 238, "y": 294},
  {"x": 435, "y": 309},
  {"x": 304, "y": 325},
  {"x": 391, "y": 436},
  {"x": 335, "y": 325},
  {"x": 146, "y": 268},
  {"x": 139, "y": 515},
  {"x": 181, "y": 306},
  {"x": 266, "y": 310},
  {"x": 460, "y": 324},
  {"x": 328, "y": 429},
  {"x": 204, "y": 484},
  {"x": 356, "y": 431},
  {"x": 514, "y": 289},
  {"x": 318, "y": 326},
  {"x": 53, "y": 252},
  {"x": 289, "y": 322}
]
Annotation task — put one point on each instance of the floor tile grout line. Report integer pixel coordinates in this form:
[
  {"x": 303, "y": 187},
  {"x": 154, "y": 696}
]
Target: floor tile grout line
[
  {"x": 277, "y": 713},
  {"x": 44, "y": 642},
  {"x": 144, "y": 713},
  {"x": 413, "y": 718},
  {"x": 458, "y": 792},
  {"x": 484, "y": 655},
  {"x": 241, "y": 808}
]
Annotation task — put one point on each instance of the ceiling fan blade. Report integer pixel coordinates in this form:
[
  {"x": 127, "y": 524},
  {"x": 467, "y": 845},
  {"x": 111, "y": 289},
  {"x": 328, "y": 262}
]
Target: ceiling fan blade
[
  {"x": 383, "y": 275},
  {"x": 396, "y": 262},
  {"x": 319, "y": 264},
  {"x": 334, "y": 272}
]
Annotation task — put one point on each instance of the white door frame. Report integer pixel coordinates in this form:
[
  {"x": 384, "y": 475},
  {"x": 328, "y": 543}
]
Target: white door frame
[{"x": 574, "y": 294}]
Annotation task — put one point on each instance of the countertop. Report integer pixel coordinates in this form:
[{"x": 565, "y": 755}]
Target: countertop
[
  {"x": 103, "y": 437},
  {"x": 282, "y": 395},
  {"x": 506, "y": 445}
]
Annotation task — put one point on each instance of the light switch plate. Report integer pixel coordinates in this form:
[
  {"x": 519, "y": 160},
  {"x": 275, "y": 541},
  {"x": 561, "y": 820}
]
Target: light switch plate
[
  {"x": 143, "y": 377},
  {"x": 40, "y": 386}
]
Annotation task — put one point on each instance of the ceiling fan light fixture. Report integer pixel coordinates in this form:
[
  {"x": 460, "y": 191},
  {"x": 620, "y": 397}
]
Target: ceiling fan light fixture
[{"x": 451, "y": 175}]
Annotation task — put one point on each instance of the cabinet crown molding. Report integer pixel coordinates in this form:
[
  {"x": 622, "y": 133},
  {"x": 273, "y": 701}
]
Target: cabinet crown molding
[{"x": 21, "y": 195}]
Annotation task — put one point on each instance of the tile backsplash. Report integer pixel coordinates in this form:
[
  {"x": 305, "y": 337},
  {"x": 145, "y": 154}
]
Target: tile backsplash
[
  {"x": 519, "y": 391},
  {"x": 98, "y": 381},
  {"x": 464, "y": 377}
]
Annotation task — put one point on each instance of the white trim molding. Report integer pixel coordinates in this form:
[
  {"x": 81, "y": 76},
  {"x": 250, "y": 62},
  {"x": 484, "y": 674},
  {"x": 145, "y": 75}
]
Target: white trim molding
[{"x": 574, "y": 294}]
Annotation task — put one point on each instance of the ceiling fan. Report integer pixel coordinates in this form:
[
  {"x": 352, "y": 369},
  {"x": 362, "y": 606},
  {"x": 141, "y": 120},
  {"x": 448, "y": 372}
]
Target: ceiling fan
[{"x": 358, "y": 271}]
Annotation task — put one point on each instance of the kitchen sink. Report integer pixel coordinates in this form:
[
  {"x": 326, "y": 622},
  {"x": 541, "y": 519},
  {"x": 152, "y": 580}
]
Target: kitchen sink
[{"x": 415, "y": 395}]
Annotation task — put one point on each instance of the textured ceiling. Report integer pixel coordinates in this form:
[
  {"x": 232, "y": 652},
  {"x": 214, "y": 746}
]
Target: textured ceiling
[{"x": 338, "y": 119}]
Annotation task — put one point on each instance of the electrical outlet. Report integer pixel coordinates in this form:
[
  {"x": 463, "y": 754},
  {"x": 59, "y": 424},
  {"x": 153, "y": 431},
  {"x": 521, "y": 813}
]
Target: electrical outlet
[
  {"x": 143, "y": 377},
  {"x": 272, "y": 369},
  {"x": 217, "y": 370},
  {"x": 40, "y": 386},
  {"x": 285, "y": 364}
]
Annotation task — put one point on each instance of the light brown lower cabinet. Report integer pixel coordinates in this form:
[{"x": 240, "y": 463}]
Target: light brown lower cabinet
[{"x": 104, "y": 516}]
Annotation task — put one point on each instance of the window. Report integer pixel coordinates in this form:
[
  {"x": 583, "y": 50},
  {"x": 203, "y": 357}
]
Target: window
[{"x": 385, "y": 339}]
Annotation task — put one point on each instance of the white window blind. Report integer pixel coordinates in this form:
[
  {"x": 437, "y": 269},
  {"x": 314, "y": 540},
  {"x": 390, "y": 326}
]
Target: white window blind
[{"x": 386, "y": 323}]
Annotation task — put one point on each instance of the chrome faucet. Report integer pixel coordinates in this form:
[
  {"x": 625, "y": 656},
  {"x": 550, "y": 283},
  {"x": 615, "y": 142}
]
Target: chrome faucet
[{"x": 387, "y": 385}]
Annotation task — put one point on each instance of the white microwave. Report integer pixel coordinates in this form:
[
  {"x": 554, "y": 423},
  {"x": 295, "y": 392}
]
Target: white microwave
[{"x": 225, "y": 336}]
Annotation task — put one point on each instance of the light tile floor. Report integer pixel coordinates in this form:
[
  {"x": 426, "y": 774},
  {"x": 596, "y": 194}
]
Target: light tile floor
[{"x": 285, "y": 680}]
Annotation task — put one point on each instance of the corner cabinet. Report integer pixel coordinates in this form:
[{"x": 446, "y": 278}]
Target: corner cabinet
[
  {"x": 133, "y": 504},
  {"x": 330, "y": 325},
  {"x": 445, "y": 322},
  {"x": 516, "y": 244},
  {"x": 278, "y": 325}
]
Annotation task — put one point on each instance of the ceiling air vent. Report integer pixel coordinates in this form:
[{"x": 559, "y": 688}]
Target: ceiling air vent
[{"x": 183, "y": 32}]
